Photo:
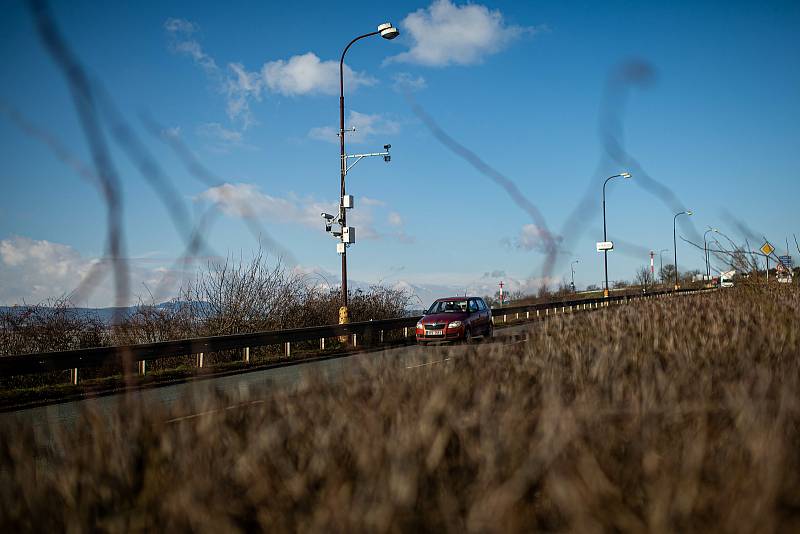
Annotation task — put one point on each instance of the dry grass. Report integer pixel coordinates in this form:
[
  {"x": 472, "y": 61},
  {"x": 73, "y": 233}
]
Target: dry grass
[{"x": 678, "y": 414}]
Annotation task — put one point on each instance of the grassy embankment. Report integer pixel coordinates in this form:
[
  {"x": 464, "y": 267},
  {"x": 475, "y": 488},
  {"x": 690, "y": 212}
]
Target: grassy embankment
[{"x": 674, "y": 415}]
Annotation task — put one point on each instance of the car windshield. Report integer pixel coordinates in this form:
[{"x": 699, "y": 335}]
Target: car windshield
[{"x": 444, "y": 306}]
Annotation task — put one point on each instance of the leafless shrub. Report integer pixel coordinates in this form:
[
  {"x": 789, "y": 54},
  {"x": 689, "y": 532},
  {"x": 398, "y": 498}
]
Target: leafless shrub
[
  {"x": 230, "y": 297},
  {"x": 644, "y": 277},
  {"x": 151, "y": 323},
  {"x": 51, "y": 325}
]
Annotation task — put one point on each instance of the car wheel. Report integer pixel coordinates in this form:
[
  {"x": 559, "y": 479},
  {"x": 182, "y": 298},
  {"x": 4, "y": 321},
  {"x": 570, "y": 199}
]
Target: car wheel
[
  {"x": 468, "y": 336},
  {"x": 489, "y": 332}
]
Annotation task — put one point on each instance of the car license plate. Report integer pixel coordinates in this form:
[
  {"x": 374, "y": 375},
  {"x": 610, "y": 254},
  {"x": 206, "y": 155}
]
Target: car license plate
[{"x": 435, "y": 332}]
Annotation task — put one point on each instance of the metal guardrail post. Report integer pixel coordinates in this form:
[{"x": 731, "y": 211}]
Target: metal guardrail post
[
  {"x": 73, "y": 376},
  {"x": 322, "y": 343},
  {"x": 355, "y": 340},
  {"x": 200, "y": 360},
  {"x": 381, "y": 336},
  {"x": 247, "y": 355},
  {"x": 142, "y": 367},
  {"x": 288, "y": 349}
]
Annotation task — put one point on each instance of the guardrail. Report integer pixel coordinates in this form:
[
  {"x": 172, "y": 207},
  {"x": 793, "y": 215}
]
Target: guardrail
[{"x": 119, "y": 355}]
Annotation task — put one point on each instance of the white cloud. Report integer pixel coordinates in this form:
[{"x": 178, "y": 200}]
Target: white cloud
[
  {"x": 367, "y": 201},
  {"x": 244, "y": 200},
  {"x": 247, "y": 201},
  {"x": 240, "y": 89},
  {"x": 173, "y": 132},
  {"x": 407, "y": 82},
  {"x": 445, "y": 34},
  {"x": 238, "y": 85},
  {"x": 532, "y": 237},
  {"x": 367, "y": 126},
  {"x": 181, "y": 41},
  {"x": 32, "y": 271},
  {"x": 394, "y": 219},
  {"x": 216, "y": 132},
  {"x": 307, "y": 74},
  {"x": 304, "y": 74}
]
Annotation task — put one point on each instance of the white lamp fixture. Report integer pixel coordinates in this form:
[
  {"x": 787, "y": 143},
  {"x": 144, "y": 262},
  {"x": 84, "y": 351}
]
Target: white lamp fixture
[{"x": 388, "y": 31}]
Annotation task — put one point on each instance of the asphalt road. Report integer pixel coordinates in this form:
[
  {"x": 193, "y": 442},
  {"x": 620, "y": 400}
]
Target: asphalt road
[{"x": 412, "y": 357}]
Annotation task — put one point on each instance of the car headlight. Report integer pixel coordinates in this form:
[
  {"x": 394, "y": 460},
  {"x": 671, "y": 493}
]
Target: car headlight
[
  {"x": 454, "y": 324},
  {"x": 419, "y": 325}
]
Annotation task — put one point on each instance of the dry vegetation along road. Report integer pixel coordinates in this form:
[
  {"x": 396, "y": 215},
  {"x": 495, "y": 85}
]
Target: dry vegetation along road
[{"x": 675, "y": 415}]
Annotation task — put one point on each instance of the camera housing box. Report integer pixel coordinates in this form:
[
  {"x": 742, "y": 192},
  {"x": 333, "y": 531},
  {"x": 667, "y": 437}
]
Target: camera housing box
[
  {"x": 340, "y": 248},
  {"x": 347, "y": 201},
  {"x": 348, "y": 235}
]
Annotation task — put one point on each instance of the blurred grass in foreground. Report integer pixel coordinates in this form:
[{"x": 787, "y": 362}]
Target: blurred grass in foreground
[{"x": 679, "y": 414}]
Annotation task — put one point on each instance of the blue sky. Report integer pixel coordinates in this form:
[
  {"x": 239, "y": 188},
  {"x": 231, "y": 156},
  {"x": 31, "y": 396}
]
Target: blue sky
[{"x": 247, "y": 87}]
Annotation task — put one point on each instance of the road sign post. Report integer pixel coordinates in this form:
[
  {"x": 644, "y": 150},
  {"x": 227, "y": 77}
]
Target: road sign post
[{"x": 767, "y": 249}]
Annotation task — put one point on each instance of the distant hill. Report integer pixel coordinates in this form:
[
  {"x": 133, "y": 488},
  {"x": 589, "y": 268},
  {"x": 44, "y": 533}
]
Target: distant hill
[{"x": 106, "y": 315}]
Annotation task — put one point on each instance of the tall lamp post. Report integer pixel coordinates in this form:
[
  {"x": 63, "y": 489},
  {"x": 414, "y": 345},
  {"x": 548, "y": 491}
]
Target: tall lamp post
[
  {"x": 572, "y": 267},
  {"x": 661, "y": 263},
  {"x": 605, "y": 236},
  {"x": 705, "y": 246},
  {"x": 675, "y": 242},
  {"x": 387, "y": 31}
]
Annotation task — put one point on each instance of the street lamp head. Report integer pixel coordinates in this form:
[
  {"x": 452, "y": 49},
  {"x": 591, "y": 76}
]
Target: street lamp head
[
  {"x": 626, "y": 175},
  {"x": 689, "y": 212},
  {"x": 388, "y": 31}
]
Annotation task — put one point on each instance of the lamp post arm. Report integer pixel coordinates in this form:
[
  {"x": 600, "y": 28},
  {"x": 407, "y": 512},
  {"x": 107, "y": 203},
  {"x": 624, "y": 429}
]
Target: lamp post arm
[{"x": 341, "y": 60}]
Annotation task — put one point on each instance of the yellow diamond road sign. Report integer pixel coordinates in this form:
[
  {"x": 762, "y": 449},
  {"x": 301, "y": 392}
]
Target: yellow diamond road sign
[{"x": 767, "y": 249}]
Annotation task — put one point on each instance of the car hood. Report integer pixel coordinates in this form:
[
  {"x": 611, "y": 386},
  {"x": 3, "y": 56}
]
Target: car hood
[{"x": 444, "y": 317}]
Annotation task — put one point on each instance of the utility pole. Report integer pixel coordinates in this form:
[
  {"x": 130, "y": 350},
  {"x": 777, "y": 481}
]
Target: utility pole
[
  {"x": 705, "y": 245},
  {"x": 572, "y": 267},
  {"x": 501, "y": 293},
  {"x": 661, "y": 263},
  {"x": 605, "y": 236},
  {"x": 675, "y": 243},
  {"x": 387, "y": 31}
]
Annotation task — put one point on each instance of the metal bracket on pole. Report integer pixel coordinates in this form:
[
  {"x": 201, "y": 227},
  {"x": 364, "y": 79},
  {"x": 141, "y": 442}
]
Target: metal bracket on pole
[{"x": 359, "y": 157}]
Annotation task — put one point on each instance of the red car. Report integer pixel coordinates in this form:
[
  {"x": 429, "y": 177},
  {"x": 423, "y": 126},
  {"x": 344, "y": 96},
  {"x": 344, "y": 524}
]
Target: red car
[{"x": 455, "y": 318}]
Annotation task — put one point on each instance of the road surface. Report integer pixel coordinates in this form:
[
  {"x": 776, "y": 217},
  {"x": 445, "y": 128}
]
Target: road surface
[{"x": 412, "y": 357}]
